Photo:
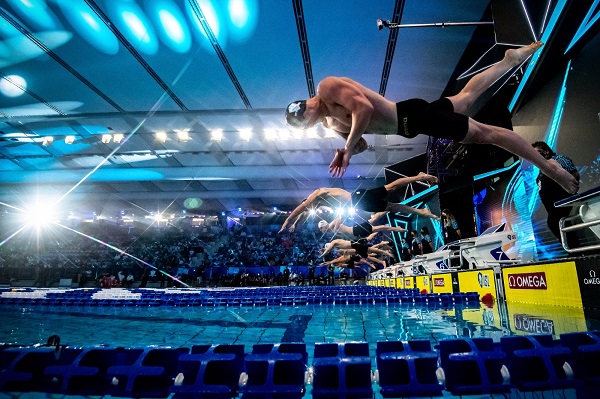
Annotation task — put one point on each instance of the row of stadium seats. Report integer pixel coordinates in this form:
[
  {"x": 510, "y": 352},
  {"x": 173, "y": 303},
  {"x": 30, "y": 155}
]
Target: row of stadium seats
[{"x": 402, "y": 368}]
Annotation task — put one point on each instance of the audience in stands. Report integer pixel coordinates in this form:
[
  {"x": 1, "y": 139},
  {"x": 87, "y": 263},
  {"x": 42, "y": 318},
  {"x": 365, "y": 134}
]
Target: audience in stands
[{"x": 183, "y": 253}]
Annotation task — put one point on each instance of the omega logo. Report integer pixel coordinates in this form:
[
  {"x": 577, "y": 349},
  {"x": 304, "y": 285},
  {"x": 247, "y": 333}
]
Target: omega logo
[{"x": 592, "y": 280}]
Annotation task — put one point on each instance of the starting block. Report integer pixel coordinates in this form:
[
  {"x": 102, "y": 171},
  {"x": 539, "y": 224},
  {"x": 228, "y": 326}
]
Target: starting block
[
  {"x": 588, "y": 217},
  {"x": 470, "y": 253}
]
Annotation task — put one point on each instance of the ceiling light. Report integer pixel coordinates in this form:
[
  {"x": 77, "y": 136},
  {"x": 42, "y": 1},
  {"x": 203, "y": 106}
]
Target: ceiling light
[
  {"x": 311, "y": 133},
  {"x": 161, "y": 137},
  {"x": 216, "y": 135},
  {"x": 270, "y": 134},
  {"x": 330, "y": 134},
  {"x": 117, "y": 137},
  {"x": 106, "y": 138},
  {"x": 284, "y": 134},
  {"x": 183, "y": 136},
  {"x": 69, "y": 139},
  {"x": 47, "y": 140},
  {"x": 245, "y": 134}
]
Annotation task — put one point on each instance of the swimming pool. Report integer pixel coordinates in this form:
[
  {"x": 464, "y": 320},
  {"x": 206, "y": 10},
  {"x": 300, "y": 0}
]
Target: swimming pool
[{"x": 189, "y": 324}]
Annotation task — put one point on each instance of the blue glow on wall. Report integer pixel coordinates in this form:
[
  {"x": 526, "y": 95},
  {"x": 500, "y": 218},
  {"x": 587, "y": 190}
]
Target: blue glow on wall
[
  {"x": 171, "y": 25},
  {"x": 212, "y": 18},
  {"x": 89, "y": 26},
  {"x": 558, "y": 9},
  {"x": 589, "y": 20},
  {"x": 243, "y": 16},
  {"x": 36, "y": 13},
  {"x": 479, "y": 197},
  {"x": 135, "y": 26},
  {"x": 553, "y": 129}
]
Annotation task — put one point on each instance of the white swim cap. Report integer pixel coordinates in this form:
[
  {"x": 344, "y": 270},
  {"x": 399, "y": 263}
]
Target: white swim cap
[{"x": 322, "y": 223}]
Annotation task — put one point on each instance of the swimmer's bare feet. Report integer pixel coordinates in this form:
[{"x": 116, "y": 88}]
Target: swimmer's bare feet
[
  {"x": 427, "y": 213},
  {"x": 428, "y": 178},
  {"x": 565, "y": 179},
  {"x": 516, "y": 56}
]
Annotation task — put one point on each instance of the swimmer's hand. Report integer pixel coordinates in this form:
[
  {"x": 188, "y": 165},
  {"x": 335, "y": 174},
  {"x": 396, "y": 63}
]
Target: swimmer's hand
[{"x": 340, "y": 162}]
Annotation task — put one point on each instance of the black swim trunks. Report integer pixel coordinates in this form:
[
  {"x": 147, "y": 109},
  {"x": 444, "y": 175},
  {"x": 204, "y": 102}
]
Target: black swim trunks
[
  {"x": 361, "y": 247},
  {"x": 437, "y": 119},
  {"x": 353, "y": 259},
  {"x": 362, "y": 230},
  {"x": 372, "y": 200}
]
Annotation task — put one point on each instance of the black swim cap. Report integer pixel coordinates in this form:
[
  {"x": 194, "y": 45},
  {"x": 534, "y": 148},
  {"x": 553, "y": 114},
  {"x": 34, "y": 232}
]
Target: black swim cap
[{"x": 294, "y": 114}]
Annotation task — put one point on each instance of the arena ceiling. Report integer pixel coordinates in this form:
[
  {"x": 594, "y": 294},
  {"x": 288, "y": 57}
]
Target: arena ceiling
[{"x": 85, "y": 70}]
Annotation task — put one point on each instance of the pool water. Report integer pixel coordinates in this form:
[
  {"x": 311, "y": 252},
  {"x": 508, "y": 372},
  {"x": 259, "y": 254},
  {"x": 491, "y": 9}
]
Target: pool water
[{"x": 186, "y": 326}]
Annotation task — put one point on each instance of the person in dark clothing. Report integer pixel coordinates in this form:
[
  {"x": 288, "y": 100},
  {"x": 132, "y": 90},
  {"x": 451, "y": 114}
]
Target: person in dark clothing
[
  {"x": 405, "y": 255},
  {"x": 426, "y": 244},
  {"x": 550, "y": 191},
  {"x": 451, "y": 228},
  {"x": 415, "y": 246}
]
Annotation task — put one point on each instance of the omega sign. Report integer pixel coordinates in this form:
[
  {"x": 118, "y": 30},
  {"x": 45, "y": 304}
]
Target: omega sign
[
  {"x": 528, "y": 281},
  {"x": 592, "y": 280}
]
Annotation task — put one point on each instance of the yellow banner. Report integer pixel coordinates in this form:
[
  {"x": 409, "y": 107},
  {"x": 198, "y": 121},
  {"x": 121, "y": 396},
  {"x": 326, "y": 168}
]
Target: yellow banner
[
  {"x": 547, "y": 284},
  {"x": 422, "y": 283},
  {"x": 442, "y": 283},
  {"x": 481, "y": 281}
]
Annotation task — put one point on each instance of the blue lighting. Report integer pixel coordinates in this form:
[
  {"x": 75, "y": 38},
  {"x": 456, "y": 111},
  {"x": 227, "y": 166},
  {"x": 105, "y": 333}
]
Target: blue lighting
[
  {"x": 545, "y": 36},
  {"x": 243, "y": 16},
  {"x": 89, "y": 26},
  {"x": 212, "y": 18},
  {"x": 171, "y": 25},
  {"x": 554, "y": 127},
  {"x": 586, "y": 24},
  {"x": 134, "y": 25},
  {"x": 36, "y": 12},
  {"x": 479, "y": 197},
  {"x": 7, "y": 30}
]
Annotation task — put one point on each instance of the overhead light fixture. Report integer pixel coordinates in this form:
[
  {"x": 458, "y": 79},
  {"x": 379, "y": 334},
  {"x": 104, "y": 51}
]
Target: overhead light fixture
[
  {"x": 330, "y": 134},
  {"x": 183, "y": 136},
  {"x": 69, "y": 139},
  {"x": 270, "y": 134},
  {"x": 46, "y": 141},
  {"x": 117, "y": 137},
  {"x": 311, "y": 133},
  {"x": 161, "y": 137},
  {"x": 245, "y": 134},
  {"x": 216, "y": 135},
  {"x": 284, "y": 134},
  {"x": 106, "y": 138}
]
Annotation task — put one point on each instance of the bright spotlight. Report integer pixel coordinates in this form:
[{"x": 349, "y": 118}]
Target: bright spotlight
[
  {"x": 161, "y": 137},
  {"x": 183, "y": 136},
  {"x": 106, "y": 138},
  {"x": 330, "y": 134},
  {"x": 216, "y": 135},
  {"x": 117, "y": 137},
  {"x": 13, "y": 86},
  {"x": 312, "y": 212},
  {"x": 284, "y": 134},
  {"x": 339, "y": 211},
  {"x": 39, "y": 214},
  {"x": 245, "y": 134},
  {"x": 351, "y": 211},
  {"x": 46, "y": 141},
  {"x": 270, "y": 134},
  {"x": 311, "y": 133},
  {"x": 69, "y": 139}
]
